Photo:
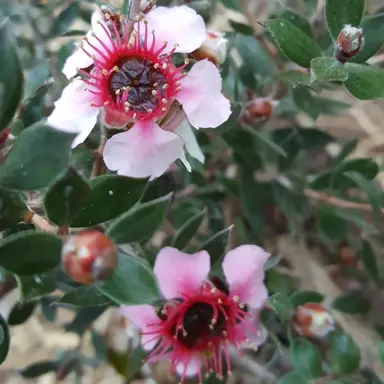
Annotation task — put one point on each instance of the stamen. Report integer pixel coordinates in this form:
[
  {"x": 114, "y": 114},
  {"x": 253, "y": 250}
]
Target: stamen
[{"x": 236, "y": 298}]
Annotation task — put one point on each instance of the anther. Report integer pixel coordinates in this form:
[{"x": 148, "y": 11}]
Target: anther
[
  {"x": 186, "y": 61},
  {"x": 220, "y": 301},
  {"x": 156, "y": 65},
  {"x": 117, "y": 92},
  {"x": 213, "y": 321},
  {"x": 107, "y": 103},
  {"x": 155, "y": 84},
  {"x": 210, "y": 343},
  {"x": 225, "y": 333},
  {"x": 134, "y": 115},
  {"x": 105, "y": 72},
  {"x": 164, "y": 100},
  {"x": 92, "y": 104},
  {"x": 235, "y": 298},
  {"x": 165, "y": 86},
  {"x": 154, "y": 92},
  {"x": 165, "y": 66},
  {"x": 92, "y": 33},
  {"x": 150, "y": 110},
  {"x": 164, "y": 109},
  {"x": 165, "y": 42},
  {"x": 241, "y": 305},
  {"x": 116, "y": 68},
  {"x": 213, "y": 290}
]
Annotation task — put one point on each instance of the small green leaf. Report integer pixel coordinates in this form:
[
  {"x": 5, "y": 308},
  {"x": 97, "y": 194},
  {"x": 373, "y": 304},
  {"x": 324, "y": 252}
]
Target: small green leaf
[
  {"x": 341, "y": 12},
  {"x": 36, "y": 252},
  {"x": 263, "y": 140},
  {"x": 352, "y": 303},
  {"x": 98, "y": 345},
  {"x": 365, "y": 82},
  {"x": 306, "y": 102},
  {"x": 299, "y": 21},
  {"x": 21, "y": 313},
  {"x": 272, "y": 262},
  {"x": 36, "y": 286},
  {"x": 38, "y": 369},
  {"x": 303, "y": 297},
  {"x": 282, "y": 305},
  {"x": 64, "y": 19},
  {"x": 39, "y": 154},
  {"x": 373, "y": 30},
  {"x": 11, "y": 76},
  {"x": 4, "y": 339},
  {"x": 306, "y": 358},
  {"x": 330, "y": 226},
  {"x": 296, "y": 44},
  {"x": 369, "y": 260},
  {"x": 380, "y": 351},
  {"x": 141, "y": 222},
  {"x": 132, "y": 283},
  {"x": 188, "y": 230},
  {"x": 112, "y": 195},
  {"x": 84, "y": 296},
  {"x": 12, "y": 208},
  {"x": 83, "y": 319},
  {"x": 293, "y": 378},
  {"x": 344, "y": 354},
  {"x": 244, "y": 29},
  {"x": 135, "y": 362},
  {"x": 217, "y": 245},
  {"x": 327, "y": 69},
  {"x": 348, "y": 147},
  {"x": 39, "y": 77},
  {"x": 66, "y": 196},
  {"x": 125, "y": 7}
]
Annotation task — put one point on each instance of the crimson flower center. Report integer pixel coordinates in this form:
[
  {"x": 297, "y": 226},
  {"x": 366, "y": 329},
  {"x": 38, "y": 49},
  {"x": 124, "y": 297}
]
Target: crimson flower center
[{"x": 143, "y": 81}]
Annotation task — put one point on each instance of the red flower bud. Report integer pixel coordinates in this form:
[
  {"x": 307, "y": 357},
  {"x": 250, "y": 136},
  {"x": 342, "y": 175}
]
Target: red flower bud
[
  {"x": 89, "y": 256},
  {"x": 260, "y": 107},
  {"x": 313, "y": 320},
  {"x": 348, "y": 43}
]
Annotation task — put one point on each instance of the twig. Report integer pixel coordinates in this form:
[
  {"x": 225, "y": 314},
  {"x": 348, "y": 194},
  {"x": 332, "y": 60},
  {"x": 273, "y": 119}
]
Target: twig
[
  {"x": 331, "y": 200},
  {"x": 39, "y": 222}
]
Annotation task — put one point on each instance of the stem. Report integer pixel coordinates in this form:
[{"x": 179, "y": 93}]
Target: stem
[
  {"x": 98, "y": 164},
  {"x": 39, "y": 222},
  {"x": 331, "y": 200}
]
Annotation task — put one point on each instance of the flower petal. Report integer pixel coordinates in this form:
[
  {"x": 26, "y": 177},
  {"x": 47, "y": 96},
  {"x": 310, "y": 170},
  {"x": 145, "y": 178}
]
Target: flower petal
[
  {"x": 244, "y": 270},
  {"x": 78, "y": 59},
  {"x": 258, "y": 337},
  {"x": 180, "y": 272},
  {"x": 73, "y": 112},
  {"x": 144, "y": 150},
  {"x": 191, "y": 369},
  {"x": 144, "y": 317},
  {"x": 177, "y": 25},
  {"x": 201, "y": 97},
  {"x": 184, "y": 130}
]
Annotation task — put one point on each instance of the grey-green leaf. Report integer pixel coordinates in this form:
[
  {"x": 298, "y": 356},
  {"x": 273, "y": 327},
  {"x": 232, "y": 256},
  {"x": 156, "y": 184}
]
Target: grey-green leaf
[{"x": 327, "y": 69}]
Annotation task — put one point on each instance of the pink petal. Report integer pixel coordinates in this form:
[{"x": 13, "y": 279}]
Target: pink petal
[
  {"x": 201, "y": 97},
  {"x": 144, "y": 150},
  {"x": 78, "y": 59},
  {"x": 144, "y": 317},
  {"x": 177, "y": 25},
  {"x": 73, "y": 112},
  {"x": 192, "y": 368},
  {"x": 184, "y": 130},
  {"x": 114, "y": 118},
  {"x": 180, "y": 272},
  {"x": 244, "y": 270},
  {"x": 255, "y": 338}
]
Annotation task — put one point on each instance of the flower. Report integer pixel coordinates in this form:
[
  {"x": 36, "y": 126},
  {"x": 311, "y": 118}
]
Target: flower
[
  {"x": 214, "y": 48},
  {"x": 202, "y": 317},
  {"x": 132, "y": 81}
]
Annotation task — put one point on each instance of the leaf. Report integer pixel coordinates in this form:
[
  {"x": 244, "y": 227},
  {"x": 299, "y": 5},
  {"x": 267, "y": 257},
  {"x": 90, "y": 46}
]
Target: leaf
[
  {"x": 264, "y": 140},
  {"x": 84, "y": 296},
  {"x": 39, "y": 77},
  {"x": 306, "y": 358},
  {"x": 36, "y": 286},
  {"x": 83, "y": 319},
  {"x": 4, "y": 339},
  {"x": 98, "y": 345},
  {"x": 66, "y": 196},
  {"x": 344, "y": 354},
  {"x": 352, "y": 303},
  {"x": 244, "y": 29},
  {"x": 11, "y": 76},
  {"x": 188, "y": 230},
  {"x": 21, "y": 313},
  {"x": 373, "y": 30},
  {"x": 341, "y": 12},
  {"x": 299, "y": 21},
  {"x": 112, "y": 195},
  {"x": 12, "y": 208},
  {"x": 306, "y": 102},
  {"x": 64, "y": 20},
  {"x": 327, "y": 69},
  {"x": 217, "y": 245},
  {"x": 30, "y": 252},
  {"x": 303, "y": 297},
  {"x": 369, "y": 187},
  {"x": 38, "y": 369},
  {"x": 348, "y": 147},
  {"x": 295, "y": 44},
  {"x": 39, "y": 154},
  {"x": 369, "y": 260},
  {"x": 135, "y": 362},
  {"x": 140, "y": 222},
  {"x": 293, "y": 378},
  {"x": 380, "y": 351},
  {"x": 272, "y": 262},
  {"x": 282, "y": 305},
  {"x": 364, "y": 82},
  {"x": 330, "y": 226},
  {"x": 132, "y": 283}
]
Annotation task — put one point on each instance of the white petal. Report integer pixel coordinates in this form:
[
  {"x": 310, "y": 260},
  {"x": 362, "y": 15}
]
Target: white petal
[{"x": 184, "y": 130}]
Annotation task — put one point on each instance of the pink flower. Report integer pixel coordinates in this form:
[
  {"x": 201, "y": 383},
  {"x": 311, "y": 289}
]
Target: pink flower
[
  {"x": 134, "y": 83},
  {"x": 202, "y": 317}
]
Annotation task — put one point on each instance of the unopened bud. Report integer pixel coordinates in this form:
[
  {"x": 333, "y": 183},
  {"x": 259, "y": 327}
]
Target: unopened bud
[
  {"x": 313, "y": 320},
  {"x": 348, "y": 43},
  {"x": 89, "y": 256},
  {"x": 214, "y": 48},
  {"x": 260, "y": 107}
]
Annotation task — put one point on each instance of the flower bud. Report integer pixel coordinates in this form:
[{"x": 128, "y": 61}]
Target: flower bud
[
  {"x": 313, "y": 320},
  {"x": 214, "y": 48},
  {"x": 89, "y": 256},
  {"x": 260, "y": 107},
  {"x": 348, "y": 43}
]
